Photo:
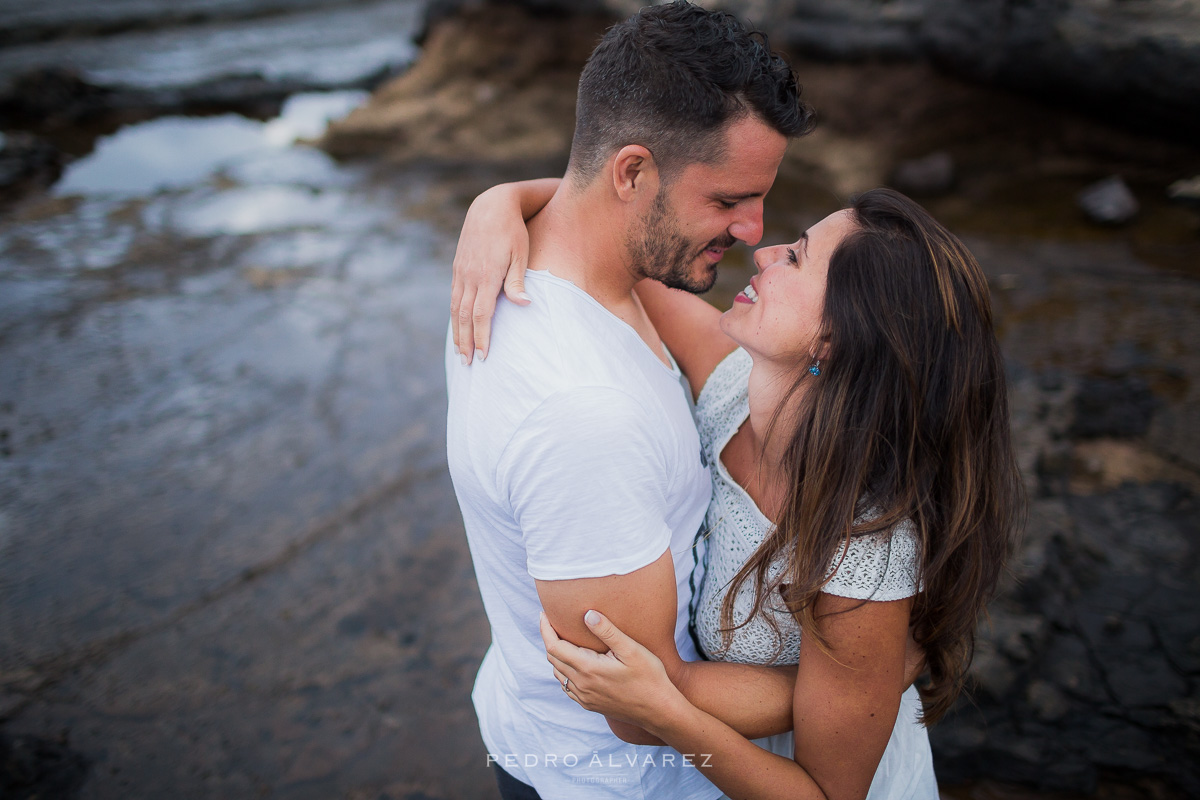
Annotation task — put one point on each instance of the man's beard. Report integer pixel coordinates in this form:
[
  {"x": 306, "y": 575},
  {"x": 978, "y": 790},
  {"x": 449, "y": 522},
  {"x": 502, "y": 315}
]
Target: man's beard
[{"x": 663, "y": 254}]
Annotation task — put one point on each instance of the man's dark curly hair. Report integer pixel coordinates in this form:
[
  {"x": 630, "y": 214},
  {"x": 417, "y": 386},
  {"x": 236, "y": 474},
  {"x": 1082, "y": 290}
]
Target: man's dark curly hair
[{"x": 671, "y": 78}]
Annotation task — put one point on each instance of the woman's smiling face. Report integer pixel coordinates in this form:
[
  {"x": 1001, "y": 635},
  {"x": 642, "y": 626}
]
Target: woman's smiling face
[{"x": 778, "y": 316}]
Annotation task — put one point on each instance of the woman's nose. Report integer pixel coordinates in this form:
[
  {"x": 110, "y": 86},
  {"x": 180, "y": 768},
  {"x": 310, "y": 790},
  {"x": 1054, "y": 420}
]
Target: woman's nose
[{"x": 763, "y": 257}]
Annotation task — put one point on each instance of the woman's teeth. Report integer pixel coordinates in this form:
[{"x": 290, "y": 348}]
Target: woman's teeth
[{"x": 750, "y": 294}]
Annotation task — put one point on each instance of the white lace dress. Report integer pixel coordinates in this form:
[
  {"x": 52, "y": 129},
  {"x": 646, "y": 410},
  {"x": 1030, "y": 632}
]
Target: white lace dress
[{"x": 881, "y": 567}]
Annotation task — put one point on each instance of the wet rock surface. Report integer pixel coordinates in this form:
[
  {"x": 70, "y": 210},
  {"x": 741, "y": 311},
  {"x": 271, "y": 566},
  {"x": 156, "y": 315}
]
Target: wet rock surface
[{"x": 225, "y": 509}]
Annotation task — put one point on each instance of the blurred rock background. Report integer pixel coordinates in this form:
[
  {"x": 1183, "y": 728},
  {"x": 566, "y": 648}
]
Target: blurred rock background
[{"x": 231, "y": 564}]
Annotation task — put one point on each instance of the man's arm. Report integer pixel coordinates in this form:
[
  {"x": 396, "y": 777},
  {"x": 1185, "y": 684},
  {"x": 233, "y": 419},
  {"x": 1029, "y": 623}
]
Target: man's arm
[
  {"x": 755, "y": 701},
  {"x": 584, "y": 475}
]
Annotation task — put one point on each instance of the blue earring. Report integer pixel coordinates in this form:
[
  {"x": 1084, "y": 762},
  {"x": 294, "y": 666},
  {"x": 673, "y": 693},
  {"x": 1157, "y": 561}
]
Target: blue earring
[{"x": 815, "y": 369}]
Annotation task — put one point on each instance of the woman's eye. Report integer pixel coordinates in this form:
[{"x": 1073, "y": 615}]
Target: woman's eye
[{"x": 792, "y": 256}]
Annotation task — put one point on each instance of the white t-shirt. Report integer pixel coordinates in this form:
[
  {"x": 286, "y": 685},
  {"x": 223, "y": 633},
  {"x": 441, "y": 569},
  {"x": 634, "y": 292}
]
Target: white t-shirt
[{"x": 574, "y": 455}]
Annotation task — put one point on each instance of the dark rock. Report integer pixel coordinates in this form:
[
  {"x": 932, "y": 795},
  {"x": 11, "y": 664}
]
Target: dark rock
[
  {"x": 59, "y": 98},
  {"x": 49, "y": 96},
  {"x": 1133, "y": 63},
  {"x": 1129, "y": 747},
  {"x": 1181, "y": 640},
  {"x": 1117, "y": 406},
  {"x": 1143, "y": 679},
  {"x": 36, "y": 22},
  {"x": 1108, "y": 202},
  {"x": 993, "y": 675},
  {"x": 1047, "y": 702},
  {"x": 925, "y": 177},
  {"x": 25, "y": 157},
  {"x": 1090, "y": 665},
  {"x": 1186, "y": 191},
  {"x": 1069, "y": 665},
  {"x": 841, "y": 29},
  {"x": 968, "y": 745},
  {"x": 39, "y": 768},
  {"x": 1017, "y": 636},
  {"x": 438, "y": 11},
  {"x": 1187, "y": 712}
]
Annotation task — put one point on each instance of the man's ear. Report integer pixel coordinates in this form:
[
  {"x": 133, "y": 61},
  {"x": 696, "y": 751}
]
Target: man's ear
[{"x": 634, "y": 173}]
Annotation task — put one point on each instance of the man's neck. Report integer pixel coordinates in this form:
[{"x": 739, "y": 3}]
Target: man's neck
[{"x": 580, "y": 238}]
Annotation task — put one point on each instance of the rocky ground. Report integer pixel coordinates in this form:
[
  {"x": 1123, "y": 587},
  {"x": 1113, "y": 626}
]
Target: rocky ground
[
  {"x": 230, "y": 559},
  {"x": 1138, "y": 62},
  {"x": 71, "y": 71}
]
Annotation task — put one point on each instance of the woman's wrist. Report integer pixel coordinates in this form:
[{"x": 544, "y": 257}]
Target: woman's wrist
[{"x": 676, "y": 714}]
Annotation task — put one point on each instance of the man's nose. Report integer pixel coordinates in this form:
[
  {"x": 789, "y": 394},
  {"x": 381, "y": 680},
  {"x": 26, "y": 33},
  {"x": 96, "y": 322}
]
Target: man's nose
[{"x": 749, "y": 225}]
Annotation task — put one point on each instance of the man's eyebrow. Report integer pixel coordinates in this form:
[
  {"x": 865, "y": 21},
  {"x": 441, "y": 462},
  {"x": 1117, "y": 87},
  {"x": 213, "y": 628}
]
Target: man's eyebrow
[{"x": 740, "y": 195}]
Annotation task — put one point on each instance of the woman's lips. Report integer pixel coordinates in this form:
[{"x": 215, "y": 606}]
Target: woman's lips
[{"x": 747, "y": 295}]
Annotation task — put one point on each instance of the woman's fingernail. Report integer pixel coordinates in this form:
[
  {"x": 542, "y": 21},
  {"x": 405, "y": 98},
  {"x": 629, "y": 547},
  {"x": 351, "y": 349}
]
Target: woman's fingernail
[
  {"x": 591, "y": 618},
  {"x": 482, "y": 355},
  {"x": 463, "y": 358},
  {"x": 525, "y": 297}
]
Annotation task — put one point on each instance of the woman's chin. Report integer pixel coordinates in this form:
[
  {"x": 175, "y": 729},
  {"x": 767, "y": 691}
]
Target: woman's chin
[{"x": 728, "y": 324}]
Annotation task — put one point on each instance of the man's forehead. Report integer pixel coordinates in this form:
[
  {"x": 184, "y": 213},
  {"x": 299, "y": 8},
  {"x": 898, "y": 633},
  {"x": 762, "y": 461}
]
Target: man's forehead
[
  {"x": 748, "y": 162},
  {"x": 732, "y": 180}
]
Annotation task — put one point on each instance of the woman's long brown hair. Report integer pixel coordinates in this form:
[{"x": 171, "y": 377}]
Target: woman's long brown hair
[{"x": 908, "y": 419}]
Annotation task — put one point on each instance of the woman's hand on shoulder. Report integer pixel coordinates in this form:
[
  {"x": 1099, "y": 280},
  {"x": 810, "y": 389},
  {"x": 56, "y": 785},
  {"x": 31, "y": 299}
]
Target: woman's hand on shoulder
[{"x": 492, "y": 254}]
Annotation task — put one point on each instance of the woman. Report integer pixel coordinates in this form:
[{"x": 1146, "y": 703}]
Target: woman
[{"x": 853, "y": 414}]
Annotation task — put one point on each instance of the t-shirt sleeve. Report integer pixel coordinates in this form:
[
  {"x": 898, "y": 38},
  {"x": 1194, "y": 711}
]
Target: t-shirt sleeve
[
  {"x": 585, "y": 477},
  {"x": 879, "y": 566}
]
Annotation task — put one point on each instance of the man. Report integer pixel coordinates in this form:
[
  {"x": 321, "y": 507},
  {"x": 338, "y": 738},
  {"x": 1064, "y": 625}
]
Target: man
[{"x": 572, "y": 447}]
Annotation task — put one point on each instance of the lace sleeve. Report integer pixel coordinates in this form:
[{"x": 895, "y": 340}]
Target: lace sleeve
[
  {"x": 880, "y": 567},
  {"x": 722, "y": 401}
]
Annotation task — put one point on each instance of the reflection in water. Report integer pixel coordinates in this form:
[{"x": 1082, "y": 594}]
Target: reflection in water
[
  {"x": 167, "y": 153},
  {"x": 176, "y": 152},
  {"x": 257, "y": 209}
]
